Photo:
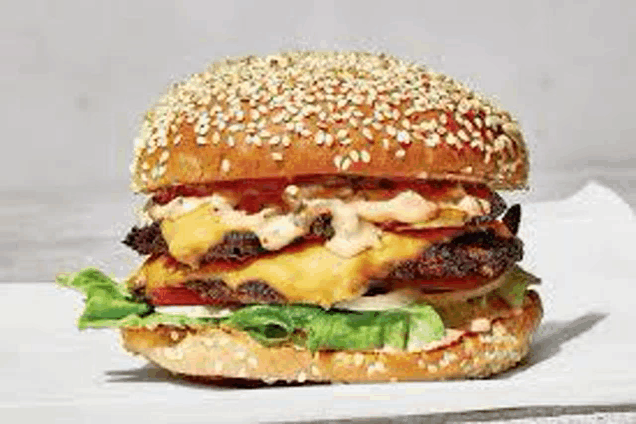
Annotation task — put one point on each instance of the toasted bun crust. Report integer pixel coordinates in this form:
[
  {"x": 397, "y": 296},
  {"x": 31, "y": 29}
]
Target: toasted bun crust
[
  {"x": 325, "y": 113},
  {"x": 225, "y": 353}
]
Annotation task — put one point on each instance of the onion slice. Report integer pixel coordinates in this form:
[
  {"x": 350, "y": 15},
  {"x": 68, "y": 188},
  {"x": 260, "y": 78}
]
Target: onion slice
[{"x": 463, "y": 295}]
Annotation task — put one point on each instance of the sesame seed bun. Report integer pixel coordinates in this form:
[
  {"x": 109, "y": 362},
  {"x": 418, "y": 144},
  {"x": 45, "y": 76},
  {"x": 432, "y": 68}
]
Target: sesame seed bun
[
  {"x": 325, "y": 113},
  {"x": 215, "y": 354}
]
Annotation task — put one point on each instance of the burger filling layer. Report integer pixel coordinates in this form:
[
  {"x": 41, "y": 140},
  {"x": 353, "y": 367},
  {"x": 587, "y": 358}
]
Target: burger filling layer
[
  {"x": 411, "y": 326},
  {"x": 191, "y": 226}
]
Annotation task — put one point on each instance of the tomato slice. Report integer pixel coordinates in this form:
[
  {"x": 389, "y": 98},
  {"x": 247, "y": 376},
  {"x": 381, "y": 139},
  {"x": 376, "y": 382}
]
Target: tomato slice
[{"x": 180, "y": 295}]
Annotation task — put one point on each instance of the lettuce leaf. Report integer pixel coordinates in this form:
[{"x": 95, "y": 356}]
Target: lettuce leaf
[
  {"x": 106, "y": 301},
  {"x": 108, "y": 304},
  {"x": 513, "y": 291}
]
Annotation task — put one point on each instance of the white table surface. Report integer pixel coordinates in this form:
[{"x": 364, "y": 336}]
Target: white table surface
[{"x": 583, "y": 354}]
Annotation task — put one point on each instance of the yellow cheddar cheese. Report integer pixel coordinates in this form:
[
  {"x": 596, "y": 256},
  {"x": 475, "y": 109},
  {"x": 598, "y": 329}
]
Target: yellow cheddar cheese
[
  {"x": 192, "y": 234},
  {"x": 312, "y": 275}
]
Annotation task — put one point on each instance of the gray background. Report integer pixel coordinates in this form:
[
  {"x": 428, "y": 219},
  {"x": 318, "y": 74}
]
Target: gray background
[{"x": 76, "y": 76}]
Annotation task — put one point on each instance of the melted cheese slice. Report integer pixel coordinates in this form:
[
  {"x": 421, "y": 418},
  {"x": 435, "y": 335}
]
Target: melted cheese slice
[
  {"x": 313, "y": 275},
  {"x": 191, "y": 235}
]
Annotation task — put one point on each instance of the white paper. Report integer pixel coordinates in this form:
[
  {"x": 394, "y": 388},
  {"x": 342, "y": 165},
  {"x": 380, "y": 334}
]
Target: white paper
[{"x": 584, "y": 352}]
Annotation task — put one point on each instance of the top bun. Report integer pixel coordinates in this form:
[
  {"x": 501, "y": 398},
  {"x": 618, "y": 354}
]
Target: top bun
[{"x": 325, "y": 113}]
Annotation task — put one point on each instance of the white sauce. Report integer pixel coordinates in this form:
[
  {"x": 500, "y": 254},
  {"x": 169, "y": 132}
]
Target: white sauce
[
  {"x": 352, "y": 221},
  {"x": 195, "y": 311}
]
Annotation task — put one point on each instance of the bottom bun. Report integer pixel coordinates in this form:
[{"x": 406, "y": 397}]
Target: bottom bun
[{"x": 224, "y": 353}]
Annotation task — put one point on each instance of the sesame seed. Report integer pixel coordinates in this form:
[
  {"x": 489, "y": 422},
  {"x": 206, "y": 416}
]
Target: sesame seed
[
  {"x": 337, "y": 161},
  {"x": 202, "y": 129},
  {"x": 354, "y": 155},
  {"x": 367, "y": 133},
  {"x": 385, "y": 143},
  {"x": 458, "y": 118},
  {"x": 391, "y": 130},
  {"x": 342, "y": 134},
  {"x": 320, "y": 137},
  {"x": 451, "y": 140},
  {"x": 164, "y": 156},
  {"x": 463, "y": 106},
  {"x": 478, "y": 122},
  {"x": 329, "y": 139},
  {"x": 278, "y": 118},
  {"x": 225, "y": 166},
  {"x": 500, "y": 142},
  {"x": 406, "y": 123},
  {"x": 345, "y": 141},
  {"x": 177, "y": 139},
  {"x": 403, "y": 137},
  {"x": 277, "y": 156},
  {"x": 400, "y": 153},
  {"x": 346, "y": 163},
  {"x": 145, "y": 166},
  {"x": 230, "y": 141},
  {"x": 443, "y": 119},
  {"x": 365, "y": 156},
  {"x": 433, "y": 140},
  {"x": 201, "y": 140},
  {"x": 462, "y": 134},
  {"x": 257, "y": 141},
  {"x": 302, "y": 377},
  {"x": 286, "y": 140},
  {"x": 441, "y": 130},
  {"x": 428, "y": 125},
  {"x": 274, "y": 140},
  {"x": 216, "y": 138}
]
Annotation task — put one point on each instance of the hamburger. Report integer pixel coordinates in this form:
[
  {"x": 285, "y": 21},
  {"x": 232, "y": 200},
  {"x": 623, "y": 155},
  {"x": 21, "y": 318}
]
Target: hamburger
[{"x": 323, "y": 217}]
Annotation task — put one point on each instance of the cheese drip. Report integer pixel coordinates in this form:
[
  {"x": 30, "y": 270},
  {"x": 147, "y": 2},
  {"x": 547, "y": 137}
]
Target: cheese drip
[{"x": 191, "y": 225}]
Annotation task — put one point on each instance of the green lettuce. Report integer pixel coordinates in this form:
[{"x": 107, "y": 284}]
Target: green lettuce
[
  {"x": 108, "y": 304},
  {"x": 513, "y": 290}
]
